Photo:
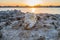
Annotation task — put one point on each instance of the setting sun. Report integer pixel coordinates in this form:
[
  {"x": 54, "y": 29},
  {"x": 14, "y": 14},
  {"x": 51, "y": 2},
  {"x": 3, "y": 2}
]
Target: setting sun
[{"x": 33, "y": 2}]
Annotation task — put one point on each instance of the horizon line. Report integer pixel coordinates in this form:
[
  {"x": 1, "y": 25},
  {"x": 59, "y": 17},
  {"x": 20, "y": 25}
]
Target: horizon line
[{"x": 29, "y": 6}]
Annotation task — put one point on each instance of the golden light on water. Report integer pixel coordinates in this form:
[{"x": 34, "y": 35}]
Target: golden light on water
[{"x": 32, "y": 10}]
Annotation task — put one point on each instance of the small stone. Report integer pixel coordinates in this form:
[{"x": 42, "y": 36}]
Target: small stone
[
  {"x": 0, "y": 35},
  {"x": 30, "y": 19},
  {"x": 26, "y": 27},
  {"x": 8, "y": 23},
  {"x": 41, "y": 38},
  {"x": 53, "y": 23},
  {"x": 2, "y": 24},
  {"x": 38, "y": 18},
  {"x": 16, "y": 24},
  {"x": 0, "y": 27},
  {"x": 59, "y": 34},
  {"x": 18, "y": 18},
  {"x": 54, "y": 18}
]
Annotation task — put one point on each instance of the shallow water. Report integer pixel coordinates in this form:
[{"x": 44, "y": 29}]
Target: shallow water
[{"x": 35, "y": 10}]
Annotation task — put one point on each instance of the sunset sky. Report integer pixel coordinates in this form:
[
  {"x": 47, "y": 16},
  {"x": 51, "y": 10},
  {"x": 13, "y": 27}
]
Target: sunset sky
[{"x": 28, "y": 2}]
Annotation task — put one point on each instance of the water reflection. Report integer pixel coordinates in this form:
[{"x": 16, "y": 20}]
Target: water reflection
[{"x": 33, "y": 10}]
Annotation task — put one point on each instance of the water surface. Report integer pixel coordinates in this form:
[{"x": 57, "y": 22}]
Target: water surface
[{"x": 35, "y": 10}]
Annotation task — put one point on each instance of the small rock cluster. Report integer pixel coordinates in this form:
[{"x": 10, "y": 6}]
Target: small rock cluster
[
  {"x": 16, "y": 25},
  {"x": 30, "y": 20}
]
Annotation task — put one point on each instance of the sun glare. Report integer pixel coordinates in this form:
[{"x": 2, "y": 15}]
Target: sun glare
[
  {"x": 33, "y": 10},
  {"x": 33, "y": 2}
]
